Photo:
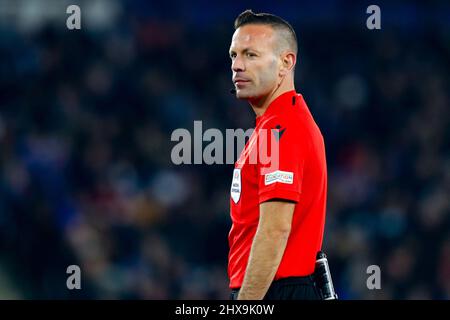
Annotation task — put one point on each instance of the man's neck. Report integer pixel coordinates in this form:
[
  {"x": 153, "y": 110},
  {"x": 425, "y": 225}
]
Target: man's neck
[{"x": 260, "y": 105}]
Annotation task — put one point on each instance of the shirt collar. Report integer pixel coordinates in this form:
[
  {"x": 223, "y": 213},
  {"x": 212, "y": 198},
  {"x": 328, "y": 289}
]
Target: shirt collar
[{"x": 276, "y": 106}]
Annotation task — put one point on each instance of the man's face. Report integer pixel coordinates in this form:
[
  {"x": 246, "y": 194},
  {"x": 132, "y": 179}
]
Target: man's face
[{"x": 255, "y": 64}]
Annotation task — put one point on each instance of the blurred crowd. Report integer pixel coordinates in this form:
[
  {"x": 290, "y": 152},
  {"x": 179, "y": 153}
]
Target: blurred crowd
[{"x": 86, "y": 176}]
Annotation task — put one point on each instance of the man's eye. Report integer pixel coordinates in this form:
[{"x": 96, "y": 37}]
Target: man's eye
[
  {"x": 232, "y": 55},
  {"x": 250, "y": 54}
]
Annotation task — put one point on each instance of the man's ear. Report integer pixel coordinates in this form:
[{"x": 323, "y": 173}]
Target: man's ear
[{"x": 288, "y": 60}]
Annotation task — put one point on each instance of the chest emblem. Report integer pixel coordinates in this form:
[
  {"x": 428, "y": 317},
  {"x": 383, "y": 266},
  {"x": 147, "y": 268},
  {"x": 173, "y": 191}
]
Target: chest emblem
[{"x": 236, "y": 186}]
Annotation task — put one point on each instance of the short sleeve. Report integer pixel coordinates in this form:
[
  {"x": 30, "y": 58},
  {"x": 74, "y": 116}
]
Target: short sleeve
[{"x": 281, "y": 160}]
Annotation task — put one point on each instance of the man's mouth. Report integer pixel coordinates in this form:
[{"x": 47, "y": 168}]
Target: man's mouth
[{"x": 240, "y": 82}]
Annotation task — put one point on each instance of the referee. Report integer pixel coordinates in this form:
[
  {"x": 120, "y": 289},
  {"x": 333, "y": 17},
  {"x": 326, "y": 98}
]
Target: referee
[{"x": 277, "y": 212}]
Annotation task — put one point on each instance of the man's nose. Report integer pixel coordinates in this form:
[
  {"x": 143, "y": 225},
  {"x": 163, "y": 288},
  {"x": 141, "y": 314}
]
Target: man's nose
[{"x": 237, "y": 64}]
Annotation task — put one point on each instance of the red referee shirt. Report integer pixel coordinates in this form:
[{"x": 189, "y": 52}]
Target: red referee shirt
[{"x": 298, "y": 173}]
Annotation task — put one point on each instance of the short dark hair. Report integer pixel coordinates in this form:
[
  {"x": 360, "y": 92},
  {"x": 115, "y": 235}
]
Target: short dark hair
[{"x": 277, "y": 23}]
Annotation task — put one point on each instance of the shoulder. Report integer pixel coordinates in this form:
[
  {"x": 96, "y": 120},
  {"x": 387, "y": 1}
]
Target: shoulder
[{"x": 290, "y": 117}]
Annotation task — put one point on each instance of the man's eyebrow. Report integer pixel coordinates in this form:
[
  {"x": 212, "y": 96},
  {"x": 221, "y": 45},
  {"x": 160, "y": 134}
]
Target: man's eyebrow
[{"x": 245, "y": 50}]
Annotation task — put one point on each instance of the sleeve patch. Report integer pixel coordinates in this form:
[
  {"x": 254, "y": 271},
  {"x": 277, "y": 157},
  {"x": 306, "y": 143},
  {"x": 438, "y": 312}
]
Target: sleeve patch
[{"x": 279, "y": 176}]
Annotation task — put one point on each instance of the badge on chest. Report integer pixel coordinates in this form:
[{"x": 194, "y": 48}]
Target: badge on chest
[{"x": 236, "y": 186}]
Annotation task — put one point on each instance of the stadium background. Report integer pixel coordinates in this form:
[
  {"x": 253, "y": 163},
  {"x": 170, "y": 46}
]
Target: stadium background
[{"x": 85, "y": 124}]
